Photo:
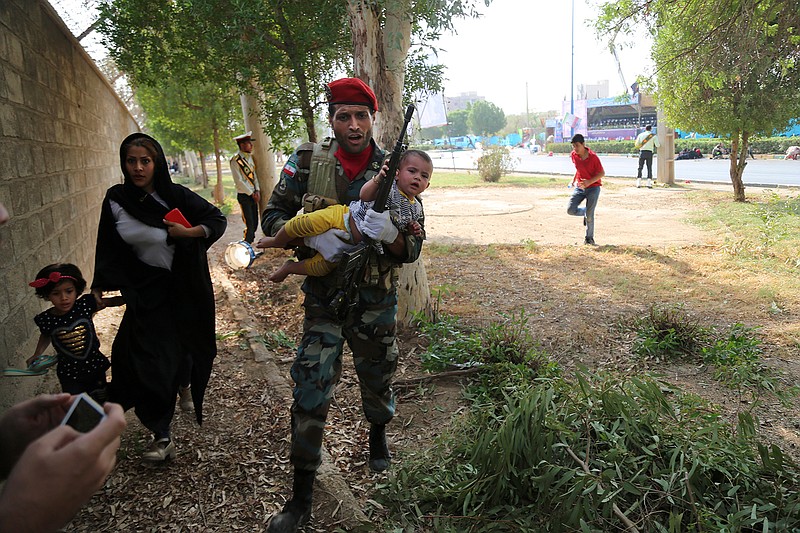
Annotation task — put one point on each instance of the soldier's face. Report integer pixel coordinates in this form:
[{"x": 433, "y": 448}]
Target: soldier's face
[{"x": 352, "y": 127}]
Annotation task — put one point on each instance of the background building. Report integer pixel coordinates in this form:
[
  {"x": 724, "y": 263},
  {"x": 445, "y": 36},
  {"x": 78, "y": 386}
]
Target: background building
[{"x": 462, "y": 101}]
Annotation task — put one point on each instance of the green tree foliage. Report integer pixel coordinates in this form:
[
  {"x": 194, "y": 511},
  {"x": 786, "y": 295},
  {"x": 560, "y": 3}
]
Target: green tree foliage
[
  {"x": 458, "y": 122},
  {"x": 183, "y": 117},
  {"x": 282, "y": 52},
  {"x": 391, "y": 44},
  {"x": 485, "y": 118},
  {"x": 722, "y": 66},
  {"x": 192, "y": 116}
]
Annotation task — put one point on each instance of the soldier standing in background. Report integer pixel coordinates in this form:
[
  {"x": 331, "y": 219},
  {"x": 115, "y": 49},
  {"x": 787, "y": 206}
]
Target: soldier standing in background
[{"x": 247, "y": 192}]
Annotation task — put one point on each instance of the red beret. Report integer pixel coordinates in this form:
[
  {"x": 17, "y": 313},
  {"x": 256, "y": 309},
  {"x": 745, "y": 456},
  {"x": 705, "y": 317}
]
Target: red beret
[{"x": 351, "y": 91}]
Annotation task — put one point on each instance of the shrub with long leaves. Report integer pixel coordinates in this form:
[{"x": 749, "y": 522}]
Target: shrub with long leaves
[{"x": 600, "y": 453}]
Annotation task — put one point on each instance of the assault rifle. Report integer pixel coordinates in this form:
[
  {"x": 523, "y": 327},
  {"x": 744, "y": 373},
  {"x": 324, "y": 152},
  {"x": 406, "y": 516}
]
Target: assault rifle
[{"x": 351, "y": 270}]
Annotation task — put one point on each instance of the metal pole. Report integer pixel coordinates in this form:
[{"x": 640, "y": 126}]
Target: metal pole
[
  {"x": 527, "y": 120},
  {"x": 572, "y": 76}
]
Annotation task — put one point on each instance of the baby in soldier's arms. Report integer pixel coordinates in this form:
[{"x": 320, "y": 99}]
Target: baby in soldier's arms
[{"x": 413, "y": 177}]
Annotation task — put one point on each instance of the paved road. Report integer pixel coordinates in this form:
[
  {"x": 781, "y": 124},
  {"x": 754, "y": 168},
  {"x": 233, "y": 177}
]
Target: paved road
[{"x": 774, "y": 172}]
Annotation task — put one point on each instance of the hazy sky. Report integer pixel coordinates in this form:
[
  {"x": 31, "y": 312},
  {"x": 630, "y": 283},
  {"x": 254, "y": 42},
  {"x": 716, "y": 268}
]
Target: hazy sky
[{"x": 529, "y": 41}]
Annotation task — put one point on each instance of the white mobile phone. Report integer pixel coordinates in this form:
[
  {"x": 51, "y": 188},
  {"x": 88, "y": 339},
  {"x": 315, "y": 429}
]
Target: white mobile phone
[{"x": 84, "y": 414}]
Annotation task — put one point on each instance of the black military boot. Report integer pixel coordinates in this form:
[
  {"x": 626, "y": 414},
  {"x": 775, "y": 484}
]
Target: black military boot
[
  {"x": 379, "y": 456},
  {"x": 297, "y": 511}
]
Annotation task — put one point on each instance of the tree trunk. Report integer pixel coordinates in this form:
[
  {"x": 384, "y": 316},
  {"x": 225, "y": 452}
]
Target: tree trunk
[
  {"x": 415, "y": 291},
  {"x": 263, "y": 156},
  {"x": 737, "y": 164},
  {"x": 191, "y": 166},
  {"x": 380, "y": 45},
  {"x": 203, "y": 168},
  {"x": 219, "y": 192}
]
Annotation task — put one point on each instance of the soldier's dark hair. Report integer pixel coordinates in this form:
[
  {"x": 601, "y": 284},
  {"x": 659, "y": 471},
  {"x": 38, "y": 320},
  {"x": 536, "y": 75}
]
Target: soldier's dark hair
[{"x": 67, "y": 270}]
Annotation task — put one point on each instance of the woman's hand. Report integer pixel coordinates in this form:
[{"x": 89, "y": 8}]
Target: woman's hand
[
  {"x": 98, "y": 298},
  {"x": 177, "y": 230}
]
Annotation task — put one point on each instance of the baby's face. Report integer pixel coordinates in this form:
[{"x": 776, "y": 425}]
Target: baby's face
[{"x": 414, "y": 175}]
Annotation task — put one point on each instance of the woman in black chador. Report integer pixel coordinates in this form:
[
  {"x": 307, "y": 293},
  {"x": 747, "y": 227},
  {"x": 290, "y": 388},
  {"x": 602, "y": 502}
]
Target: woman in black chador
[{"x": 161, "y": 269}]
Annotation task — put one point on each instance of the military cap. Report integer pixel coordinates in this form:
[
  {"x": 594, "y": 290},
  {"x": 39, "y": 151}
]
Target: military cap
[
  {"x": 351, "y": 91},
  {"x": 244, "y": 137}
]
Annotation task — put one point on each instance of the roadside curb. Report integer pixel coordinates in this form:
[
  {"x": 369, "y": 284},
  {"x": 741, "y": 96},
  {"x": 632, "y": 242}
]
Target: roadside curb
[{"x": 333, "y": 496}]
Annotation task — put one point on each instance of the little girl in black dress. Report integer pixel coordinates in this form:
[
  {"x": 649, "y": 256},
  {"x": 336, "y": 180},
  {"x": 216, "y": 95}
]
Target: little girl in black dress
[{"x": 68, "y": 325}]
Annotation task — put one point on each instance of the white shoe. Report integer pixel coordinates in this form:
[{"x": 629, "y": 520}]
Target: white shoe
[
  {"x": 638, "y": 182},
  {"x": 649, "y": 184},
  {"x": 185, "y": 398},
  {"x": 160, "y": 451}
]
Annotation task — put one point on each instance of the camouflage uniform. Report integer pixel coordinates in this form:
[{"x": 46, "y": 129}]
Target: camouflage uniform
[{"x": 369, "y": 328}]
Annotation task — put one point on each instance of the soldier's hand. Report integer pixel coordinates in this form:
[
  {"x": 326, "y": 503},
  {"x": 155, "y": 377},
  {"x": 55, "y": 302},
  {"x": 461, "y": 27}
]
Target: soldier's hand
[
  {"x": 330, "y": 244},
  {"x": 379, "y": 227}
]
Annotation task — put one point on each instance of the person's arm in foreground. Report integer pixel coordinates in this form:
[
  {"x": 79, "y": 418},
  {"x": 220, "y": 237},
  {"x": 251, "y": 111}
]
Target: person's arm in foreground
[
  {"x": 57, "y": 470},
  {"x": 41, "y": 346},
  {"x": 284, "y": 203}
]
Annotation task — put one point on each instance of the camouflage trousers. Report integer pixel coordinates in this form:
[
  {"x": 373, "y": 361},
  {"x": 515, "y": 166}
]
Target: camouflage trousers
[{"x": 369, "y": 330}]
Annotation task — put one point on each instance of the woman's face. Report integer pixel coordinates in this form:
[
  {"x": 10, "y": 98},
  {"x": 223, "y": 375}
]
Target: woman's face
[{"x": 141, "y": 167}]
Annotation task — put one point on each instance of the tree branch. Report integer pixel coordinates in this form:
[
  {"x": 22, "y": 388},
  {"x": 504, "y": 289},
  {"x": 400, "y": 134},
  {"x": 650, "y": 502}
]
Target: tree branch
[{"x": 630, "y": 526}]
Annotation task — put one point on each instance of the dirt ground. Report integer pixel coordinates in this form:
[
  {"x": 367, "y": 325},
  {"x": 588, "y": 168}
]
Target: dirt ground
[
  {"x": 625, "y": 215},
  {"x": 232, "y": 473}
]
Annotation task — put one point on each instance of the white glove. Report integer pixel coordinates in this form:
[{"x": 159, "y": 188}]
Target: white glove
[
  {"x": 379, "y": 227},
  {"x": 330, "y": 244}
]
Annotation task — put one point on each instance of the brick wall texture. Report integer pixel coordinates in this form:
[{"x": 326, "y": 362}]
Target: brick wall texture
[{"x": 60, "y": 128}]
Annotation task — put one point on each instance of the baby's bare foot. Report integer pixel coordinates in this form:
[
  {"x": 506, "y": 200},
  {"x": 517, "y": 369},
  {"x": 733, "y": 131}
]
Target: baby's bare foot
[{"x": 264, "y": 242}]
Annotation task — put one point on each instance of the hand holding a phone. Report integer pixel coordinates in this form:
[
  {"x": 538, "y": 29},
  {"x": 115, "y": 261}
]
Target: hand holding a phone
[
  {"x": 61, "y": 469},
  {"x": 27, "y": 421}
]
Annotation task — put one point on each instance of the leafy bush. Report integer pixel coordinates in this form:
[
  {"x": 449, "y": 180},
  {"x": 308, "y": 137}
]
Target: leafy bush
[
  {"x": 495, "y": 162},
  {"x": 597, "y": 454},
  {"x": 736, "y": 358},
  {"x": 453, "y": 343},
  {"x": 667, "y": 333},
  {"x": 766, "y": 145},
  {"x": 450, "y": 343}
]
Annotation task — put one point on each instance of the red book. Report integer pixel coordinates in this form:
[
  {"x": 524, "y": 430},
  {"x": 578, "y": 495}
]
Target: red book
[{"x": 176, "y": 216}]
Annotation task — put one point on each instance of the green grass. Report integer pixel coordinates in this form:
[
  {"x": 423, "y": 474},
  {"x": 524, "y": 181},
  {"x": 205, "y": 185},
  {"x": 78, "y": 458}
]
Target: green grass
[{"x": 762, "y": 233}]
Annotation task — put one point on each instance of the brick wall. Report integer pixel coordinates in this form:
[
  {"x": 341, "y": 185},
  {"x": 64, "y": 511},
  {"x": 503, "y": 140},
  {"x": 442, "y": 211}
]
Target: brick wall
[{"x": 60, "y": 128}]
